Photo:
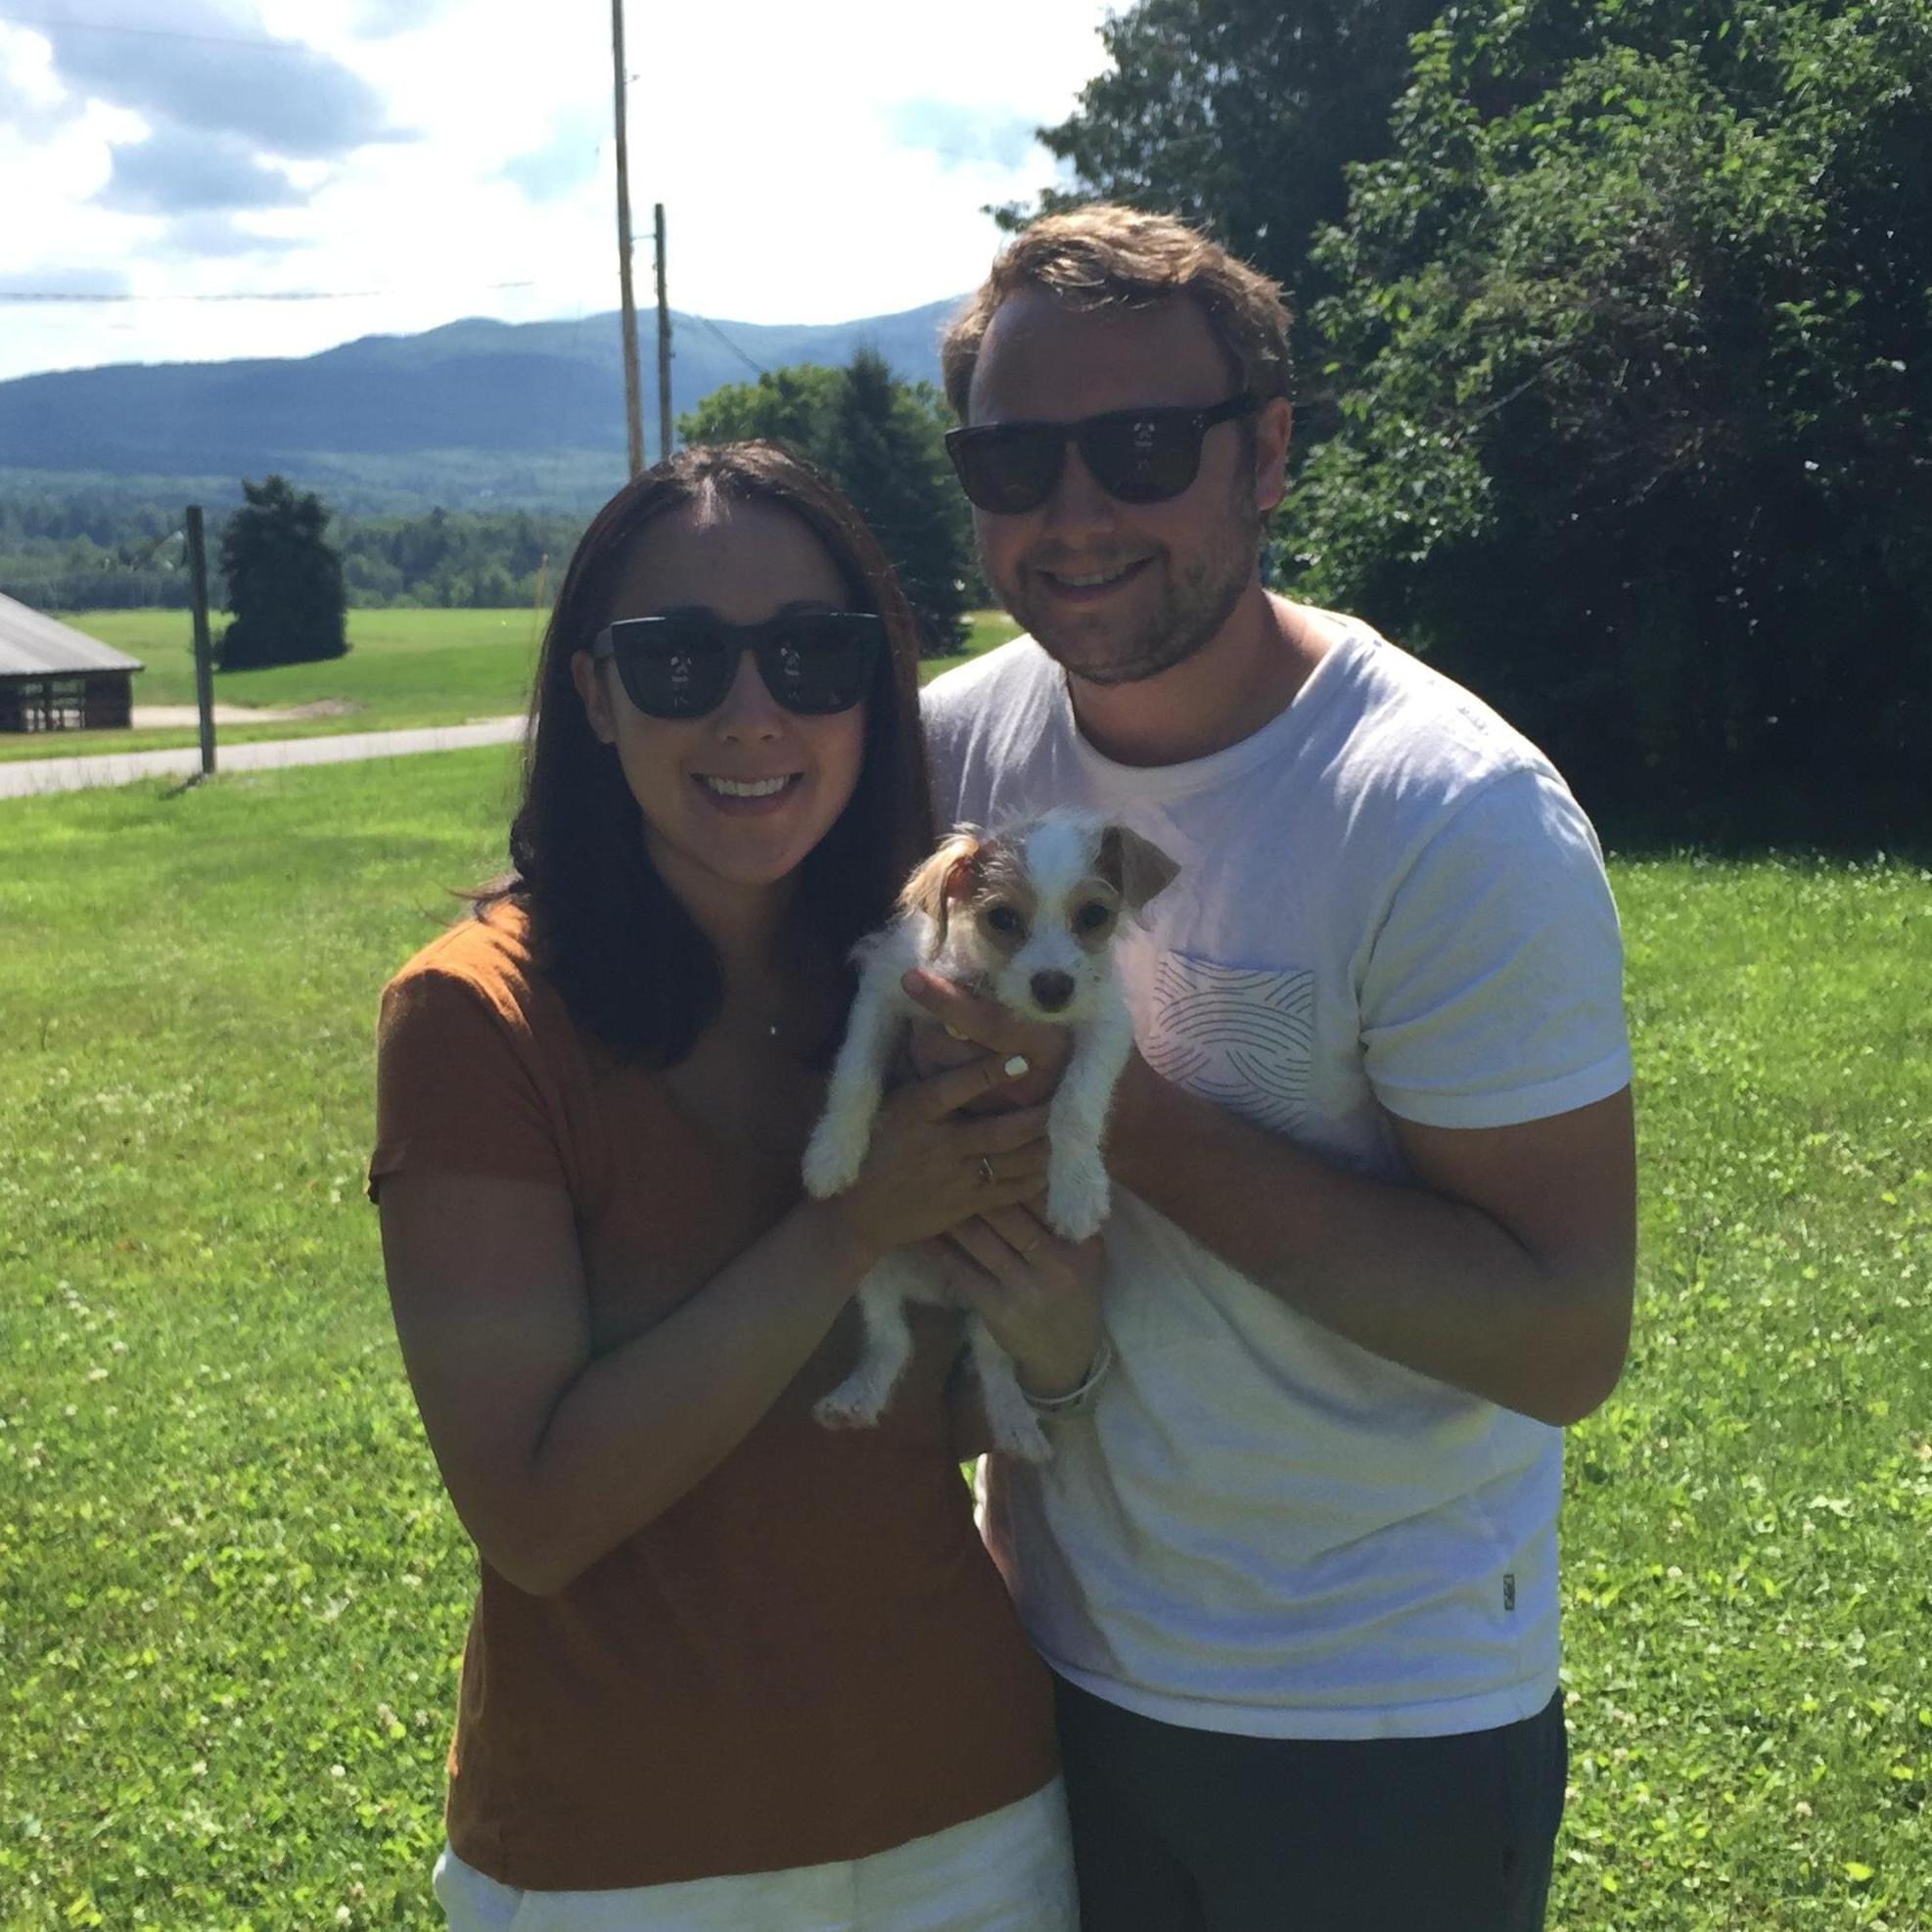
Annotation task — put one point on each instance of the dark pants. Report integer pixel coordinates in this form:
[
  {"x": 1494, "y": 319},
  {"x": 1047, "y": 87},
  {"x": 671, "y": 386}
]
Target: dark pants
[{"x": 1182, "y": 1830}]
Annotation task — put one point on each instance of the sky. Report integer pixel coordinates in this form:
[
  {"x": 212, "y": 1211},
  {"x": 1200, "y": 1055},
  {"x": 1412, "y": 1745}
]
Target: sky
[{"x": 327, "y": 170}]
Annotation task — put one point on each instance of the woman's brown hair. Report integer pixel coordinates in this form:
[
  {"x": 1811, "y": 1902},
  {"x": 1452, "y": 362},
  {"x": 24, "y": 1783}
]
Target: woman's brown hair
[{"x": 628, "y": 958}]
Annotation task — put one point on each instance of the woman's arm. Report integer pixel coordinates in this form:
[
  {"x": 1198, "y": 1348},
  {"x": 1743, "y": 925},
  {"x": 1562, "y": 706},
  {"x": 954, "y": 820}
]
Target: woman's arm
[{"x": 552, "y": 1457}]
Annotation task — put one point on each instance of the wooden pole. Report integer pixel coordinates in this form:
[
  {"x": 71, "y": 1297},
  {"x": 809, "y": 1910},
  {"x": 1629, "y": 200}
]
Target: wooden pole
[
  {"x": 203, "y": 650},
  {"x": 632, "y": 412},
  {"x": 663, "y": 347}
]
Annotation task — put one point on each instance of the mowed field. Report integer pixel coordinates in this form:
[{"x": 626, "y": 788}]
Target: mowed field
[
  {"x": 232, "y": 1597},
  {"x": 404, "y": 669}
]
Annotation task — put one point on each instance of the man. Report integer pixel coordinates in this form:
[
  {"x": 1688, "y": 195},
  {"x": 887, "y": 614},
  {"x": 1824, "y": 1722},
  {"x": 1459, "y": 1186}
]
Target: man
[{"x": 1295, "y": 1567}]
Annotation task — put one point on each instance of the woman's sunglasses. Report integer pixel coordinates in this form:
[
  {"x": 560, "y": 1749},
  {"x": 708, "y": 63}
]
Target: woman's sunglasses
[
  {"x": 681, "y": 665},
  {"x": 1138, "y": 455}
]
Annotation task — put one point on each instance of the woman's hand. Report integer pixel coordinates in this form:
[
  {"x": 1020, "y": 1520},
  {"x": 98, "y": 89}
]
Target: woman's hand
[
  {"x": 1039, "y": 1295},
  {"x": 927, "y": 1170},
  {"x": 963, "y": 1023}
]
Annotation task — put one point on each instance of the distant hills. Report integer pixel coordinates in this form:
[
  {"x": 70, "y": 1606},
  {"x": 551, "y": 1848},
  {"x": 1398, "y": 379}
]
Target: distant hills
[{"x": 476, "y": 414}]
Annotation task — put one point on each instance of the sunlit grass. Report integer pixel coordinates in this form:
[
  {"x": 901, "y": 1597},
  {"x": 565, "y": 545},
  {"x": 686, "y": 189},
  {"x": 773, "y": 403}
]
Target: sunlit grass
[{"x": 232, "y": 1597}]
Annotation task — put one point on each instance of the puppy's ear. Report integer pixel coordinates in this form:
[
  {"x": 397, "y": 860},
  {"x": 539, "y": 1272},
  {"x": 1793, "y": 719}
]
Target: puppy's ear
[
  {"x": 949, "y": 875},
  {"x": 1135, "y": 867}
]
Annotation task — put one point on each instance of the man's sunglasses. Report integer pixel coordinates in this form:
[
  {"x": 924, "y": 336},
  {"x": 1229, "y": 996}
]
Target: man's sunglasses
[
  {"x": 681, "y": 665},
  {"x": 1138, "y": 455}
]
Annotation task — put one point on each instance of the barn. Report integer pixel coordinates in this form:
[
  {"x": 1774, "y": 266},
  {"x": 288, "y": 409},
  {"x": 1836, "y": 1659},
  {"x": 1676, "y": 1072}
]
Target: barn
[{"x": 54, "y": 678}]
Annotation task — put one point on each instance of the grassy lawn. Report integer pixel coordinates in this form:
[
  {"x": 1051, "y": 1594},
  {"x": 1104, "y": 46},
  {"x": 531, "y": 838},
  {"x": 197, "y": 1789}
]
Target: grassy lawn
[
  {"x": 232, "y": 1597},
  {"x": 404, "y": 669}
]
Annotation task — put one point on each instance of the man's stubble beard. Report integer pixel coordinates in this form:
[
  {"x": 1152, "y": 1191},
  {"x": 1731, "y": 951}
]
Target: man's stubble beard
[{"x": 1188, "y": 617}]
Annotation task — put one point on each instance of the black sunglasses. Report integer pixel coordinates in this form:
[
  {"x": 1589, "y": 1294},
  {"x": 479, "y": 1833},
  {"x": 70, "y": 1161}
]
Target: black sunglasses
[
  {"x": 681, "y": 665},
  {"x": 1138, "y": 455}
]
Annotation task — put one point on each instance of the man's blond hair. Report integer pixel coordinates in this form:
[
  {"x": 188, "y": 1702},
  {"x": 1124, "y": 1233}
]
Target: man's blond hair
[{"x": 1103, "y": 256}]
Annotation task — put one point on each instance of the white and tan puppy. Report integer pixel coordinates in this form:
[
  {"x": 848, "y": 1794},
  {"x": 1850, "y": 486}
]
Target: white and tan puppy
[{"x": 1025, "y": 917}]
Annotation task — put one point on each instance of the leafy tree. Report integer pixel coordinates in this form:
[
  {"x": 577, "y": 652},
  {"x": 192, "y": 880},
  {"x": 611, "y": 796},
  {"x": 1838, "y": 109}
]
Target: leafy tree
[
  {"x": 879, "y": 439},
  {"x": 795, "y": 406},
  {"x": 285, "y": 582},
  {"x": 1240, "y": 117},
  {"x": 1637, "y": 385}
]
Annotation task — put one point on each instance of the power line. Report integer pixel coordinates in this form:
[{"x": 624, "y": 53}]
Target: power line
[
  {"x": 256, "y": 295},
  {"x": 260, "y": 41},
  {"x": 740, "y": 354}
]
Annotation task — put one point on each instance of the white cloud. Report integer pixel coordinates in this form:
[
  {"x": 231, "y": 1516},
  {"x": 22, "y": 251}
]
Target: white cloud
[{"x": 815, "y": 164}]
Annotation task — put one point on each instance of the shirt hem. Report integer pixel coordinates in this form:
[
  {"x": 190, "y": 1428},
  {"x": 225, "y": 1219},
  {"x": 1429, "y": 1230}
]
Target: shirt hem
[
  {"x": 610, "y": 1858},
  {"x": 1442, "y": 1718}
]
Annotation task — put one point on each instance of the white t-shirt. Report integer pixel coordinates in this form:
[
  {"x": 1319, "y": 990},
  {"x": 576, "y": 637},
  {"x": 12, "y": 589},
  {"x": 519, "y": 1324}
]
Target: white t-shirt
[{"x": 1388, "y": 904}]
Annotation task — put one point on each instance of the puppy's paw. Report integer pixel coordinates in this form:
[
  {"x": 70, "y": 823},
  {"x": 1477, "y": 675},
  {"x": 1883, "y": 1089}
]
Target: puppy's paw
[
  {"x": 1077, "y": 1195},
  {"x": 1010, "y": 1419},
  {"x": 853, "y": 1405},
  {"x": 833, "y": 1157}
]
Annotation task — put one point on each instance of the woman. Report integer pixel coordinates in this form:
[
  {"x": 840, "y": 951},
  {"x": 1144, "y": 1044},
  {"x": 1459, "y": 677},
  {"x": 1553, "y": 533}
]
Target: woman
[{"x": 727, "y": 1668}]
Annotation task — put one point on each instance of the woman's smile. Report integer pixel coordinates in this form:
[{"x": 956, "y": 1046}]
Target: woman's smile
[{"x": 750, "y": 797}]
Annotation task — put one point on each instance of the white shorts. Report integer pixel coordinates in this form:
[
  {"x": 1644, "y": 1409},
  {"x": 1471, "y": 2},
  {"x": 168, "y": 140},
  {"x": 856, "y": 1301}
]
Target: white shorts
[{"x": 1011, "y": 1871}]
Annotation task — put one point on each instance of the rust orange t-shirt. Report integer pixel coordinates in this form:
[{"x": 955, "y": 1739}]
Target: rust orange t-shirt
[{"x": 810, "y": 1657}]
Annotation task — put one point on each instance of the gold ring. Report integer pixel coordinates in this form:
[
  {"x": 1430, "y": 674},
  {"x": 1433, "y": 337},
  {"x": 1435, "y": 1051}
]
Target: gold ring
[{"x": 985, "y": 1171}]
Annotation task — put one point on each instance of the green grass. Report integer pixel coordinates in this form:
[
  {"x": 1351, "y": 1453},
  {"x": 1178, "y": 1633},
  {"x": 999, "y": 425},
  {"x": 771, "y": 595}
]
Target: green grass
[
  {"x": 404, "y": 669},
  {"x": 232, "y": 1597}
]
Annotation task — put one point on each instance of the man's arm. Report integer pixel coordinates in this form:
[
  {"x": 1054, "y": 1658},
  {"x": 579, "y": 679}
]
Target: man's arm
[{"x": 1506, "y": 1268}]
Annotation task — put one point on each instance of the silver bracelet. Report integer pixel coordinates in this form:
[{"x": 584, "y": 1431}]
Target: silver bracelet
[{"x": 1076, "y": 1401}]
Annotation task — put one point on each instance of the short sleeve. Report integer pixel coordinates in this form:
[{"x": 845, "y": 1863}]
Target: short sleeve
[
  {"x": 460, "y": 1086},
  {"x": 1492, "y": 992},
  {"x": 944, "y": 721}
]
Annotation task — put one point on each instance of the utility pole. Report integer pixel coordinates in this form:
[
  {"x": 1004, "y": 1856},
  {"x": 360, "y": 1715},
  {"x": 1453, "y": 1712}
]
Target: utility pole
[
  {"x": 664, "y": 349},
  {"x": 634, "y": 418},
  {"x": 203, "y": 650}
]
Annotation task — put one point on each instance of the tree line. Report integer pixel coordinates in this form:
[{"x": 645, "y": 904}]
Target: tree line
[
  {"x": 95, "y": 552},
  {"x": 1616, "y": 363},
  {"x": 880, "y": 438},
  {"x": 1613, "y": 392}
]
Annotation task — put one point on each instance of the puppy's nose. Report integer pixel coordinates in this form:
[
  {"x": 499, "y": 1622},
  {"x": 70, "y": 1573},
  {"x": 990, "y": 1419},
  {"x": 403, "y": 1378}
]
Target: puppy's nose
[{"x": 1052, "y": 991}]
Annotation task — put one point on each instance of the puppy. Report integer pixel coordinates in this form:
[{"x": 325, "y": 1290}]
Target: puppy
[{"x": 1026, "y": 917}]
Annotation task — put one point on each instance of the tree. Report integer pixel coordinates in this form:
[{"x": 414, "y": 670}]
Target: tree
[
  {"x": 1635, "y": 372},
  {"x": 793, "y": 406},
  {"x": 889, "y": 456},
  {"x": 880, "y": 440},
  {"x": 1241, "y": 117},
  {"x": 285, "y": 582}
]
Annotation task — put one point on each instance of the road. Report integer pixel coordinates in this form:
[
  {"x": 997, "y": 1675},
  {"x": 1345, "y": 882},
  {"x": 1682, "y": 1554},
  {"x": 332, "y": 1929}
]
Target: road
[{"x": 28, "y": 777}]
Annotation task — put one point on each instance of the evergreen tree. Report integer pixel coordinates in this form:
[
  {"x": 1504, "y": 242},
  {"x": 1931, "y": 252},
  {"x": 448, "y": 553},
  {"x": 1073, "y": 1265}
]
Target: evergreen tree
[
  {"x": 889, "y": 460},
  {"x": 285, "y": 582},
  {"x": 880, "y": 440}
]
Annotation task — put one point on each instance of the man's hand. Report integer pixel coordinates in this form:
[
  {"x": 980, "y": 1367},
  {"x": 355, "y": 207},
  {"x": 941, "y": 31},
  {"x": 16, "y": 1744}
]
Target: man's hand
[
  {"x": 965, "y": 1026},
  {"x": 1039, "y": 1295}
]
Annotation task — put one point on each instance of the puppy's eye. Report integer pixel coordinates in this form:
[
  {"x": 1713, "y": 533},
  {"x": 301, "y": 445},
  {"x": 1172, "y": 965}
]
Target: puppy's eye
[
  {"x": 1004, "y": 919},
  {"x": 1090, "y": 917}
]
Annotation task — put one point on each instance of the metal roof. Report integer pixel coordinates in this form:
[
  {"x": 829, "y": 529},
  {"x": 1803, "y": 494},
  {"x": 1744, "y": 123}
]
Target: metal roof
[{"x": 35, "y": 646}]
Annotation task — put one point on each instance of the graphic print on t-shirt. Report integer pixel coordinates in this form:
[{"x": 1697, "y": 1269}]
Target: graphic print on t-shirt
[{"x": 1238, "y": 1036}]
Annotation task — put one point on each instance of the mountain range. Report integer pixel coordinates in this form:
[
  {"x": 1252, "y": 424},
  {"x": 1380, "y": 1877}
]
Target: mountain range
[{"x": 475, "y": 414}]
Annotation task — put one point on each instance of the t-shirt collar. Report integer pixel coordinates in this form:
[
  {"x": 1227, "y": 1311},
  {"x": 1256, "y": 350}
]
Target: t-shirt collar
[{"x": 1151, "y": 783}]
